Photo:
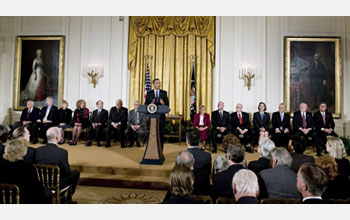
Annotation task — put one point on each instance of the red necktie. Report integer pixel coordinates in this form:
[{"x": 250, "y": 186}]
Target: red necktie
[
  {"x": 240, "y": 119},
  {"x": 304, "y": 121},
  {"x": 324, "y": 118}
]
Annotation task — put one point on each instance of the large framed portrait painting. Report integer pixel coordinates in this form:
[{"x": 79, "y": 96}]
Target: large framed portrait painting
[
  {"x": 38, "y": 70},
  {"x": 313, "y": 73}
]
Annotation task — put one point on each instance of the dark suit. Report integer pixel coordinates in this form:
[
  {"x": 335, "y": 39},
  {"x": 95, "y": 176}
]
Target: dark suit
[
  {"x": 217, "y": 121},
  {"x": 280, "y": 139},
  {"x": 343, "y": 166},
  {"x": 2, "y": 149},
  {"x": 180, "y": 200},
  {"x": 319, "y": 125},
  {"x": 53, "y": 155},
  {"x": 298, "y": 124},
  {"x": 33, "y": 117},
  {"x": 279, "y": 182},
  {"x": 260, "y": 123},
  {"x": 52, "y": 116},
  {"x": 338, "y": 188},
  {"x": 222, "y": 182},
  {"x": 30, "y": 156},
  {"x": 235, "y": 123},
  {"x": 299, "y": 159},
  {"x": 98, "y": 118},
  {"x": 24, "y": 176},
  {"x": 248, "y": 200},
  {"x": 259, "y": 165},
  {"x": 149, "y": 99},
  {"x": 132, "y": 120},
  {"x": 64, "y": 117},
  {"x": 313, "y": 201},
  {"x": 119, "y": 116}
]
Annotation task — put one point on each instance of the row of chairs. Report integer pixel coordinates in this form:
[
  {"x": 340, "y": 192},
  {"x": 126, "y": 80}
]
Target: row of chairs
[
  {"x": 223, "y": 200},
  {"x": 49, "y": 177}
]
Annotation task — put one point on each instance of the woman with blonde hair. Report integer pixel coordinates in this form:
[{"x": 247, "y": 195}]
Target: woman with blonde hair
[
  {"x": 80, "y": 120},
  {"x": 64, "y": 118},
  {"x": 181, "y": 181},
  {"x": 14, "y": 170},
  {"x": 338, "y": 184},
  {"x": 335, "y": 148},
  {"x": 201, "y": 122}
]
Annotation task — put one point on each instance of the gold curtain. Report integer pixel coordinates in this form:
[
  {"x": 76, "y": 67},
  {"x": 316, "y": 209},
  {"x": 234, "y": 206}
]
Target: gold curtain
[{"x": 170, "y": 45}]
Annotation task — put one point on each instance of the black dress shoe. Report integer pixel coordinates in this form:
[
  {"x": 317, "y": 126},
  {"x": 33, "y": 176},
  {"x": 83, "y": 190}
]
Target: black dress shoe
[
  {"x": 319, "y": 154},
  {"x": 35, "y": 141},
  {"x": 123, "y": 146},
  {"x": 138, "y": 146},
  {"x": 249, "y": 150},
  {"x": 215, "y": 151},
  {"x": 108, "y": 145},
  {"x": 89, "y": 143},
  {"x": 98, "y": 144}
]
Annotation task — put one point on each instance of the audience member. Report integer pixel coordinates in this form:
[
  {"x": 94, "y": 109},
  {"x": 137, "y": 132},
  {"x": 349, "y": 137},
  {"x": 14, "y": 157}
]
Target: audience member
[
  {"x": 137, "y": 126},
  {"x": 265, "y": 147},
  {"x": 98, "y": 123},
  {"x": 22, "y": 132},
  {"x": 335, "y": 148},
  {"x": 298, "y": 146},
  {"x": 80, "y": 120},
  {"x": 220, "y": 164},
  {"x": 221, "y": 123},
  {"x": 245, "y": 187}
]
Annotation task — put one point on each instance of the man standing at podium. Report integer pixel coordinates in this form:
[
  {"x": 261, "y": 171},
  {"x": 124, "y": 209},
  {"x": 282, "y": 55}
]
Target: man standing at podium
[{"x": 159, "y": 97}]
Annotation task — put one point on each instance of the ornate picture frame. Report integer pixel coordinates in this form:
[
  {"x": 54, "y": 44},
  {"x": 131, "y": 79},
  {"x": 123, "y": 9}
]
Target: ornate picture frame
[
  {"x": 313, "y": 73},
  {"x": 38, "y": 70}
]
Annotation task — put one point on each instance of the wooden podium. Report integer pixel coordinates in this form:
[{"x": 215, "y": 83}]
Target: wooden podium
[{"x": 153, "y": 154}]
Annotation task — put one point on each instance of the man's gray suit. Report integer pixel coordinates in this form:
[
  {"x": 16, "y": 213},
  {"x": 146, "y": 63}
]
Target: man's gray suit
[{"x": 136, "y": 118}]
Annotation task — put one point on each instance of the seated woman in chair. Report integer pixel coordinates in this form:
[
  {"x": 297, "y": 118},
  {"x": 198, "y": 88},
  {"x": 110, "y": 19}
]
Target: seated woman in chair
[
  {"x": 261, "y": 121},
  {"x": 201, "y": 122},
  {"x": 80, "y": 120},
  {"x": 14, "y": 170},
  {"x": 64, "y": 118}
]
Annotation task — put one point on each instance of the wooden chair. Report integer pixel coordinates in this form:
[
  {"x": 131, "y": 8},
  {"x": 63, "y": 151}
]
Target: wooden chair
[
  {"x": 9, "y": 194},
  {"x": 202, "y": 199},
  {"x": 49, "y": 176},
  {"x": 223, "y": 200},
  {"x": 336, "y": 201},
  {"x": 280, "y": 201}
]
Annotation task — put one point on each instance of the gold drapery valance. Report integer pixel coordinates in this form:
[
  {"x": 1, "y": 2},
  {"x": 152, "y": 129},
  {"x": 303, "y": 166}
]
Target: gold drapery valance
[{"x": 170, "y": 45}]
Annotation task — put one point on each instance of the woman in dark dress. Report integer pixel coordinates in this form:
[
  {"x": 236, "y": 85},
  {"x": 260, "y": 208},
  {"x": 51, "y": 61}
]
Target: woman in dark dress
[
  {"x": 335, "y": 148},
  {"x": 338, "y": 184},
  {"x": 64, "y": 118},
  {"x": 261, "y": 121},
  {"x": 80, "y": 120},
  {"x": 181, "y": 181},
  {"x": 14, "y": 170}
]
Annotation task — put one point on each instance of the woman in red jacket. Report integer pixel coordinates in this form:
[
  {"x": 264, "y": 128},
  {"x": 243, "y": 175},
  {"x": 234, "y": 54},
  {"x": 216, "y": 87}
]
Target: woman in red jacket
[{"x": 201, "y": 123}]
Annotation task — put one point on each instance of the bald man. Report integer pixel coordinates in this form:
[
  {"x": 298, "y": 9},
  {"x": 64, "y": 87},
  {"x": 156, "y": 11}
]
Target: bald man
[
  {"x": 51, "y": 154},
  {"x": 29, "y": 118},
  {"x": 220, "y": 120}
]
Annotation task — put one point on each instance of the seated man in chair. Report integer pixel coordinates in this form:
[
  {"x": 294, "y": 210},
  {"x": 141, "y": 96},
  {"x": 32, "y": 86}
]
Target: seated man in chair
[
  {"x": 29, "y": 118},
  {"x": 221, "y": 123},
  {"x": 137, "y": 125},
  {"x": 98, "y": 123}
]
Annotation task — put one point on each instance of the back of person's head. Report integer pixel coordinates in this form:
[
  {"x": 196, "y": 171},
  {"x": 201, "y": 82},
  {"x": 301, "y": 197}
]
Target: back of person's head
[
  {"x": 15, "y": 150},
  {"x": 186, "y": 158},
  {"x": 193, "y": 138},
  {"x": 235, "y": 153},
  {"x": 328, "y": 165},
  {"x": 181, "y": 180},
  {"x": 53, "y": 134},
  {"x": 19, "y": 132},
  {"x": 312, "y": 179},
  {"x": 245, "y": 182},
  {"x": 299, "y": 145},
  {"x": 281, "y": 156},
  {"x": 3, "y": 130},
  {"x": 220, "y": 164},
  {"x": 335, "y": 147},
  {"x": 265, "y": 147}
]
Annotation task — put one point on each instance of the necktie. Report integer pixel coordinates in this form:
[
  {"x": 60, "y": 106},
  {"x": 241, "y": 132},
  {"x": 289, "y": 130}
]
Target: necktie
[
  {"x": 157, "y": 95},
  {"x": 28, "y": 112},
  {"x": 220, "y": 115},
  {"x": 98, "y": 113},
  {"x": 281, "y": 117},
  {"x": 240, "y": 119},
  {"x": 304, "y": 120},
  {"x": 324, "y": 118},
  {"x": 137, "y": 117}
]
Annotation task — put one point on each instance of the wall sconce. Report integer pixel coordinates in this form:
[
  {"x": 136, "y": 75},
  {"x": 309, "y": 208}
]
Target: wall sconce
[
  {"x": 247, "y": 73},
  {"x": 94, "y": 72}
]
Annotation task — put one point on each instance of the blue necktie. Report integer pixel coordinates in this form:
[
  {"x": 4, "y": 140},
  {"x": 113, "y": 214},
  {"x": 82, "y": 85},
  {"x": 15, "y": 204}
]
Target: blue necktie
[{"x": 157, "y": 94}]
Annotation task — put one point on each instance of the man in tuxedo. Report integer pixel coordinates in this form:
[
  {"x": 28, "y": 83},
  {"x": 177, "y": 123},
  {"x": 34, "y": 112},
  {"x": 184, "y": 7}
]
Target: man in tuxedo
[
  {"x": 98, "y": 123},
  {"x": 281, "y": 126},
  {"x": 312, "y": 182},
  {"x": 221, "y": 123},
  {"x": 137, "y": 125},
  {"x": 159, "y": 97},
  {"x": 222, "y": 182},
  {"x": 245, "y": 187},
  {"x": 240, "y": 127},
  {"x": 202, "y": 165},
  {"x": 303, "y": 125},
  {"x": 279, "y": 181},
  {"x": 51, "y": 154},
  {"x": 117, "y": 123},
  {"x": 48, "y": 118},
  {"x": 324, "y": 124},
  {"x": 29, "y": 118}
]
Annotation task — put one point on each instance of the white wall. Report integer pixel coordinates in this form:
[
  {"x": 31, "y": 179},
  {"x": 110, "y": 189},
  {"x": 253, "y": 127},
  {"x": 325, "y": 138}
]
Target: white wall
[
  {"x": 258, "y": 41},
  {"x": 239, "y": 41},
  {"x": 89, "y": 40}
]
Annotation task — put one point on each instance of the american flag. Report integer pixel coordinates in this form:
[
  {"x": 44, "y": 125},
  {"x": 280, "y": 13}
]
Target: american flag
[
  {"x": 147, "y": 84},
  {"x": 193, "y": 107}
]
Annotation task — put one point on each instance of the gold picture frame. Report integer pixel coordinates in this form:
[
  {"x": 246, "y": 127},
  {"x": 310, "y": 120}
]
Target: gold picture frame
[
  {"x": 313, "y": 73},
  {"x": 38, "y": 70}
]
